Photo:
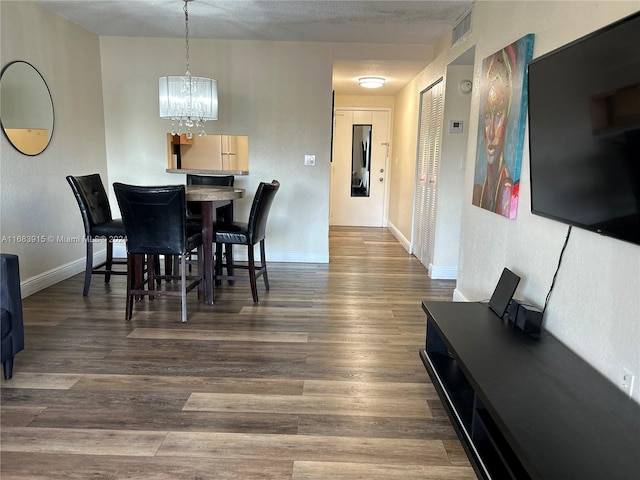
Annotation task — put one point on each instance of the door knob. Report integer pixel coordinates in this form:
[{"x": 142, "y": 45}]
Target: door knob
[
  {"x": 381, "y": 179},
  {"x": 382, "y": 170}
]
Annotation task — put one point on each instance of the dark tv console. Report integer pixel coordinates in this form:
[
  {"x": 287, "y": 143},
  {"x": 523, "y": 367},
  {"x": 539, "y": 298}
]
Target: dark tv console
[{"x": 527, "y": 407}]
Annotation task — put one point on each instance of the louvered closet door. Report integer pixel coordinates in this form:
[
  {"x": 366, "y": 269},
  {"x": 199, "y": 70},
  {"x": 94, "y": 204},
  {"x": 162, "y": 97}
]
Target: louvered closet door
[{"x": 429, "y": 150}]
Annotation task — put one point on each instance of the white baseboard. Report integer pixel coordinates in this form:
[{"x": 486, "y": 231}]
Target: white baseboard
[
  {"x": 58, "y": 274},
  {"x": 119, "y": 250},
  {"x": 399, "y": 236},
  {"x": 240, "y": 254},
  {"x": 437, "y": 272},
  {"x": 458, "y": 296},
  {"x": 53, "y": 276},
  {"x": 297, "y": 257}
]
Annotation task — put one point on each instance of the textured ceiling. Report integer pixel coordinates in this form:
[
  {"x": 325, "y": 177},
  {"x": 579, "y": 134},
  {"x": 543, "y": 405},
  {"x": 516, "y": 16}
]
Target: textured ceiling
[{"x": 351, "y": 21}]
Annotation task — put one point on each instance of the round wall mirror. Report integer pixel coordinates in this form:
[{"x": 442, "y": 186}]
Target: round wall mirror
[{"x": 26, "y": 108}]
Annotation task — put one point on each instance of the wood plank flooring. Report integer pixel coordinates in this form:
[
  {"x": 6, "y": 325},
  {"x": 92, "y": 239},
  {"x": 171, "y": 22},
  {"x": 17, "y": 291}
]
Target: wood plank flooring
[{"x": 321, "y": 380}]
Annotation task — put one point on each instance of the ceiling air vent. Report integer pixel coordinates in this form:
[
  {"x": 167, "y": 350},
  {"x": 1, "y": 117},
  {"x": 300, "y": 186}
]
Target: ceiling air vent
[{"x": 461, "y": 29}]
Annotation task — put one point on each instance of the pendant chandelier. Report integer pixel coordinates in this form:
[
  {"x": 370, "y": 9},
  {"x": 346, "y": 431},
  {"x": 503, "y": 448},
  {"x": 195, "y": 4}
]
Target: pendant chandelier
[{"x": 186, "y": 100}]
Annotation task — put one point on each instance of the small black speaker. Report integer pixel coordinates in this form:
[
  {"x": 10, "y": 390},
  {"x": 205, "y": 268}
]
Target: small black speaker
[
  {"x": 514, "y": 305},
  {"x": 529, "y": 318}
]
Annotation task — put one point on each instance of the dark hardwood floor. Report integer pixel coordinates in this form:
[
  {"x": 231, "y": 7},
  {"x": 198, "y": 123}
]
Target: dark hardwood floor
[{"x": 321, "y": 380}]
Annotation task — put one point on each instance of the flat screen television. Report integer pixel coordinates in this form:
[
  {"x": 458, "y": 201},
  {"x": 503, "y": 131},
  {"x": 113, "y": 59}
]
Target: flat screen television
[{"x": 584, "y": 131}]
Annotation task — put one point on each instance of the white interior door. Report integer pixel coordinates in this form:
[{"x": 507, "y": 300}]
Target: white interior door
[{"x": 359, "y": 168}]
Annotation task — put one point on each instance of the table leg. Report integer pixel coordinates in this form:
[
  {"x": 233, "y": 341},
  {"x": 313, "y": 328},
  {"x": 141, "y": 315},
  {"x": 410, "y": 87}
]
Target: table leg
[{"x": 207, "y": 249}]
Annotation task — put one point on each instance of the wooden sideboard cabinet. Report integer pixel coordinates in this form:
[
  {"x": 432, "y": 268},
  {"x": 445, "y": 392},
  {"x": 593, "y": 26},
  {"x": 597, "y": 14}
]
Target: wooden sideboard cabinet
[
  {"x": 527, "y": 407},
  {"x": 209, "y": 154}
]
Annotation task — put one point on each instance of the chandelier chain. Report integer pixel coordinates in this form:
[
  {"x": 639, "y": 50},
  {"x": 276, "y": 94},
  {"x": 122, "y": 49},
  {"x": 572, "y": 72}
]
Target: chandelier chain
[
  {"x": 186, "y": 32},
  {"x": 188, "y": 101}
]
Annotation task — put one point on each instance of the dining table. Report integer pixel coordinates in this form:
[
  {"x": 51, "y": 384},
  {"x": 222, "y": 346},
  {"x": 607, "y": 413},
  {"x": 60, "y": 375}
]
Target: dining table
[{"x": 210, "y": 197}]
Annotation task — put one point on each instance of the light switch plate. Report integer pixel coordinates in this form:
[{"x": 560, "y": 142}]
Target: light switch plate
[{"x": 310, "y": 160}]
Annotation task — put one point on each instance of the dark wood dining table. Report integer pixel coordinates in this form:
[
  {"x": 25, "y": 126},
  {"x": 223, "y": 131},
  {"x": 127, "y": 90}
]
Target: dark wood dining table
[{"x": 211, "y": 197}]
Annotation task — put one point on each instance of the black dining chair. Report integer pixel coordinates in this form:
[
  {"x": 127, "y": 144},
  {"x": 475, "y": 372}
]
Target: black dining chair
[
  {"x": 98, "y": 224},
  {"x": 224, "y": 214},
  {"x": 155, "y": 221},
  {"x": 12, "y": 341},
  {"x": 194, "y": 209},
  {"x": 248, "y": 234}
]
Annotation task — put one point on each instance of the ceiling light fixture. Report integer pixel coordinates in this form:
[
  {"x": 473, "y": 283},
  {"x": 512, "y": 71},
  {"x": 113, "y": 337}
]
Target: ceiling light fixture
[
  {"x": 371, "y": 82},
  {"x": 185, "y": 100}
]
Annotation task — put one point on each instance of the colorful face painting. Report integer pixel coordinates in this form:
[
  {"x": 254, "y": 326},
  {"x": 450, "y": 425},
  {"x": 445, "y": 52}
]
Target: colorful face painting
[{"x": 503, "y": 107}]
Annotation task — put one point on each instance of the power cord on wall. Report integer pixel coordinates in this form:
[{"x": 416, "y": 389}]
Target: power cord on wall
[{"x": 553, "y": 282}]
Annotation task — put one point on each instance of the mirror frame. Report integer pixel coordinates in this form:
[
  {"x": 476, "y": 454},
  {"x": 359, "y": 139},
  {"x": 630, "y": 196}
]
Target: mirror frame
[{"x": 53, "y": 117}]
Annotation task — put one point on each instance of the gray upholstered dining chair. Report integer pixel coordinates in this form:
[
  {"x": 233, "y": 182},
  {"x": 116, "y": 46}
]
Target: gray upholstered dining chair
[
  {"x": 155, "y": 221},
  {"x": 248, "y": 234},
  {"x": 98, "y": 224}
]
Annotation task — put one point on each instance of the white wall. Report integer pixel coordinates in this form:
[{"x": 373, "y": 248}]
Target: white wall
[
  {"x": 402, "y": 162},
  {"x": 35, "y": 199},
  {"x": 279, "y": 94},
  {"x": 594, "y": 308}
]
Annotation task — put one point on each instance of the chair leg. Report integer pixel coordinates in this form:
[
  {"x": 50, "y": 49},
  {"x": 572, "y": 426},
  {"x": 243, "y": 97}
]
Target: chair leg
[
  {"x": 109, "y": 262},
  {"x": 201, "y": 292},
  {"x": 228, "y": 254},
  {"x": 131, "y": 282},
  {"x": 88, "y": 267},
  {"x": 183, "y": 286},
  {"x": 263, "y": 262},
  {"x": 228, "y": 247},
  {"x": 172, "y": 264},
  {"x": 141, "y": 266},
  {"x": 176, "y": 264},
  {"x": 155, "y": 261},
  {"x": 151, "y": 274},
  {"x": 168, "y": 265},
  {"x": 225, "y": 215},
  {"x": 218, "y": 264},
  {"x": 252, "y": 275},
  {"x": 7, "y": 366}
]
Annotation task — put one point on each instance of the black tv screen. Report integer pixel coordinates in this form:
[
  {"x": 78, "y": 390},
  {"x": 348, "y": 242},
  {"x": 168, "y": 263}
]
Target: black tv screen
[{"x": 584, "y": 131}]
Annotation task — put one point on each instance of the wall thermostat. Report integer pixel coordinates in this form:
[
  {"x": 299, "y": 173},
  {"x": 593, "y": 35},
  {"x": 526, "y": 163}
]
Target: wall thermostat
[{"x": 456, "y": 126}]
